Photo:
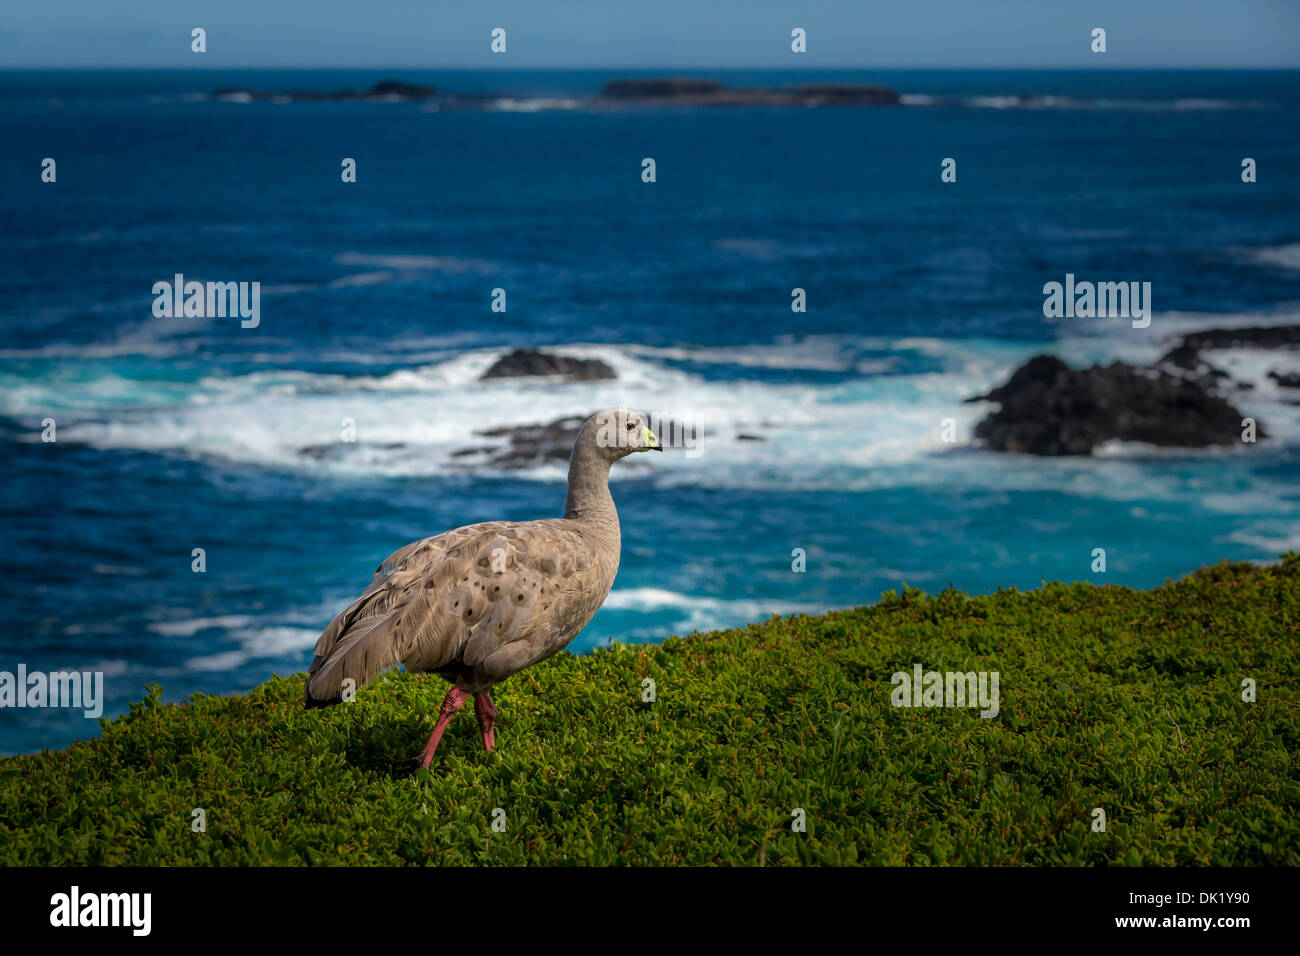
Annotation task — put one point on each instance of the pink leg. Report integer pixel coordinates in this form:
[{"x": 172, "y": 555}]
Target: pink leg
[
  {"x": 450, "y": 704},
  {"x": 487, "y": 715}
]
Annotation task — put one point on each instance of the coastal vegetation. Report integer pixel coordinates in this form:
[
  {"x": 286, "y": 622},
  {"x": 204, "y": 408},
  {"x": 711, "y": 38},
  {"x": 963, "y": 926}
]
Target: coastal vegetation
[{"x": 1175, "y": 712}]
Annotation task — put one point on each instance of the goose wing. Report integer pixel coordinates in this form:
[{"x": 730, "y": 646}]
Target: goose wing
[{"x": 485, "y": 601}]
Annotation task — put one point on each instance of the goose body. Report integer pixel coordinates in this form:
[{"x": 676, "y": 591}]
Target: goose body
[{"x": 482, "y": 602}]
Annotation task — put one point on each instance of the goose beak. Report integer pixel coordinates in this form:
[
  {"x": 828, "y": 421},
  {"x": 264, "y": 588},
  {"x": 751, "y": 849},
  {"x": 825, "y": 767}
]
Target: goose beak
[{"x": 649, "y": 441}]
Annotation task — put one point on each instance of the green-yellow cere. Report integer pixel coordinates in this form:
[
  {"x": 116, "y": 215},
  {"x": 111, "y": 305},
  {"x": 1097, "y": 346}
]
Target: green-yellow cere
[{"x": 648, "y": 438}]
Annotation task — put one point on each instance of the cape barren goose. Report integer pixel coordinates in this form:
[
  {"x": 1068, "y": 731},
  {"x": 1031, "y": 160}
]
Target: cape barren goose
[{"x": 482, "y": 602}]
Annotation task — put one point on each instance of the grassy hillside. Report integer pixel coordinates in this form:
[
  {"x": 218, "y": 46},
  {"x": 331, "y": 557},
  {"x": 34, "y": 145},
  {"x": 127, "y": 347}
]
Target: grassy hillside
[{"x": 1125, "y": 700}]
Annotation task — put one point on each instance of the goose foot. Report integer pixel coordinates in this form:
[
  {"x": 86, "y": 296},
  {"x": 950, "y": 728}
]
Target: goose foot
[
  {"x": 487, "y": 714},
  {"x": 450, "y": 704}
]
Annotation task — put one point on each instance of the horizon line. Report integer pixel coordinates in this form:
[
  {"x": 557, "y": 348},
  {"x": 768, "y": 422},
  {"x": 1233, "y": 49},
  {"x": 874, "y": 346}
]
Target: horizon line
[{"x": 603, "y": 69}]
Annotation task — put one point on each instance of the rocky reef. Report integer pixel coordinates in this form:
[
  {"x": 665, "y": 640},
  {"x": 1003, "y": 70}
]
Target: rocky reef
[
  {"x": 525, "y": 362},
  {"x": 682, "y": 91},
  {"x": 657, "y": 91},
  {"x": 527, "y": 446},
  {"x": 1049, "y": 408},
  {"x": 383, "y": 91}
]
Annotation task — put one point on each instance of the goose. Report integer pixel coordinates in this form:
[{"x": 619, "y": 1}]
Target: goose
[{"x": 479, "y": 603}]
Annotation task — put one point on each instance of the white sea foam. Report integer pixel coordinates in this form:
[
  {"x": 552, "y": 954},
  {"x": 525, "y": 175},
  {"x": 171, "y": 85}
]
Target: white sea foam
[
  {"x": 226, "y": 660},
  {"x": 690, "y": 612},
  {"x": 109, "y": 668},
  {"x": 1281, "y": 257},
  {"x": 821, "y": 352},
  {"x": 361, "y": 278},
  {"x": 508, "y": 104},
  {"x": 118, "y": 569},
  {"x": 1269, "y": 545},
  {"x": 850, "y": 432},
  {"x": 654, "y": 599},
  {"x": 411, "y": 421},
  {"x": 414, "y": 263},
  {"x": 191, "y": 626},
  {"x": 256, "y": 643},
  {"x": 1046, "y": 102}
]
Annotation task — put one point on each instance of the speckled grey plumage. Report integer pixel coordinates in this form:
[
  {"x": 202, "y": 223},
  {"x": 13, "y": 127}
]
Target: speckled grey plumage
[{"x": 482, "y": 602}]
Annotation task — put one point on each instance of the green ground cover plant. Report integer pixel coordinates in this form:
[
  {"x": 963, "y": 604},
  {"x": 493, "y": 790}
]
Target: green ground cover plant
[{"x": 1129, "y": 701}]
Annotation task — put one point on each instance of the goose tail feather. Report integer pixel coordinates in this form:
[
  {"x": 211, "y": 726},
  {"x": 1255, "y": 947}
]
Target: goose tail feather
[{"x": 357, "y": 652}]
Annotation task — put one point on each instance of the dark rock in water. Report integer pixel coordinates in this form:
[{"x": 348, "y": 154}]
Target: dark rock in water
[
  {"x": 743, "y": 437},
  {"x": 1186, "y": 356},
  {"x": 1187, "y": 359},
  {"x": 471, "y": 101},
  {"x": 662, "y": 87},
  {"x": 318, "y": 452},
  {"x": 530, "y": 445},
  {"x": 1048, "y": 408},
  {"x": 409, "y": 91},
  {"x": 659, "y": 91},
  {"x": 523, "y": 362},
  {"x": 845, "y": 94},
  {"x": 685, "y": 91},
  {"x": 383, "y": 90},
  {"x": 338, "y": 449},
  {"x": 1274, "y": 336},
  {"x": 1286, "y": 379}
]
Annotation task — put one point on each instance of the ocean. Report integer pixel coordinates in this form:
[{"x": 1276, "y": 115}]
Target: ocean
[{"x": 175, "y": 434}]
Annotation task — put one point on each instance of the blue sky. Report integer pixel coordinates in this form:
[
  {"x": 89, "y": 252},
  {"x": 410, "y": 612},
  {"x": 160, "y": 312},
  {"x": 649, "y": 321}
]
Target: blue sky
[{"x": 650, "y": 34}]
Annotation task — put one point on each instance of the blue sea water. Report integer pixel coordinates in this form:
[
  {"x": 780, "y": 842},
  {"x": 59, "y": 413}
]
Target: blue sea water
[{"x": 176, "y": 434}]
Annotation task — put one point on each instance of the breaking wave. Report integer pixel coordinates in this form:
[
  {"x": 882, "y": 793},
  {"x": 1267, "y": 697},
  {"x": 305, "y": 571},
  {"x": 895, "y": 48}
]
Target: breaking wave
[{"x": 867, "y": 412}]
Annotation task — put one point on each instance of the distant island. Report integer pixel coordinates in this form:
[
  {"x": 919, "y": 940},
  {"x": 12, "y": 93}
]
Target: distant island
[
  {"x": 384, "y": 91},
  {"x": 689, "y": 92},
  {"x": 656, "y": 91}
]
